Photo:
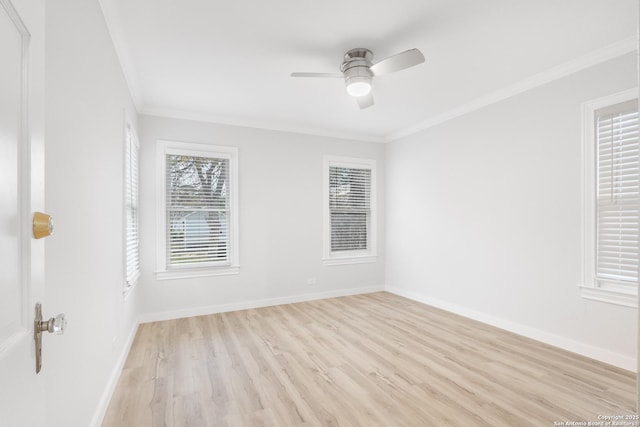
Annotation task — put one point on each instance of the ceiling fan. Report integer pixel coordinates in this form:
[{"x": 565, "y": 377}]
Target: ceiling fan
[{"x": 358, "y": 70}]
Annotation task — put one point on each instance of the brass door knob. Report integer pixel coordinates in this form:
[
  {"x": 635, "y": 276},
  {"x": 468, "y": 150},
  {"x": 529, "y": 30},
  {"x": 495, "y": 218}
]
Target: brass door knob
[{"x": 42, "y": 225}]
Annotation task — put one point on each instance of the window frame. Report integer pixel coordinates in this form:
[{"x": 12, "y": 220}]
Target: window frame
[
  {"x": 368, "y": 255},
  {"x": 232, "y": 266},
  {"x": 130, "y": 141},
  {"x": 591, "y": 288}
]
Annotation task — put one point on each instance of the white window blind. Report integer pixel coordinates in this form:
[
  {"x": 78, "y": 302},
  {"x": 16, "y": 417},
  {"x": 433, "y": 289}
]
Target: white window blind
[
  {"x": 350, "y": 208},
  {"x": 198, "y": 211},
  {"x": 617, "y": 194},
  {"x": 132, "y": 242}
]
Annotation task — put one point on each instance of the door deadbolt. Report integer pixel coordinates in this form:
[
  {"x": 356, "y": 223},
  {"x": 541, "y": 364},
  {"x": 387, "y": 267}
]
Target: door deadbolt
[
  {"x": 55, "y": 325},
  {"x": 42, "y": 225}
]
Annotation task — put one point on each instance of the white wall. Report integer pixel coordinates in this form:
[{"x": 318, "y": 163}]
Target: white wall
[
  {"x": 280, "y": 221},
  {"x": 484, "y": 216},
  {"x": 85, "y": 97}
]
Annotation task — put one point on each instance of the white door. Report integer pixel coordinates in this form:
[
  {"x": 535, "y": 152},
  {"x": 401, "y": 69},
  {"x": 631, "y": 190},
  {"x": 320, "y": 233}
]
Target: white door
[{"x": 21, "y": 194}]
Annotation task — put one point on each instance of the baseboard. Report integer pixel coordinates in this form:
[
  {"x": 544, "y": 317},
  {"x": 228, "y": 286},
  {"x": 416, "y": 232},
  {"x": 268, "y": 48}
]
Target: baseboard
[
  {"x": 597, "y": 353},
  {"x": 245, "y": 305},
  {"x": 101, "y": 410}
]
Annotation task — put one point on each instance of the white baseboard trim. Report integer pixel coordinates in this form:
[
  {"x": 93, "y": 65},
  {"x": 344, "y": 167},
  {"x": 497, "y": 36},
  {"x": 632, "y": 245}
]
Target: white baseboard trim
[
  {"x": 597, "y": 353},
  {"x": 245, "y": 305},
  {"x": 101, "y": 410}
]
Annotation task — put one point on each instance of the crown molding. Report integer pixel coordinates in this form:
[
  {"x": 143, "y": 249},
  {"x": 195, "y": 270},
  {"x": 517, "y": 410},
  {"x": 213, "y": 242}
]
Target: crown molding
[
  {"x": 111, "y": 16},
  {"x": 270, "y": 126},
  {"x": 596, "y": 57},
  {"x": 121, "y": 47}
]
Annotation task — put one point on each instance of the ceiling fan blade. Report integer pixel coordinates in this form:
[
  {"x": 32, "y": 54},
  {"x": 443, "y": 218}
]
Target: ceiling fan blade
[
  {"x": 330, "y": 75},
  {"x": 397, "y": 62},
  {"x": 365, "y": 101}
]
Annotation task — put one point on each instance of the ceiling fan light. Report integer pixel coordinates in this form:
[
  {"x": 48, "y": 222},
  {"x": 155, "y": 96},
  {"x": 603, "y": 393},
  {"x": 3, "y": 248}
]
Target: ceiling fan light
[{"x": 359, "y": 86}]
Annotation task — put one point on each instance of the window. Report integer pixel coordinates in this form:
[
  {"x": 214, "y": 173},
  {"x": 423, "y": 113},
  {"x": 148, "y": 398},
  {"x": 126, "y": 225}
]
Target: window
[
  {"x": 131, "y": 238},
  {"x": 612, "y": 199},
  {"x": 349, "y": 210},
  {"x": 197, "y": 230}
]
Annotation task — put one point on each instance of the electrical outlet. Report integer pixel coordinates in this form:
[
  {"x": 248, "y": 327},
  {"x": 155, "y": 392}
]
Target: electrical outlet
[
  {"x": 114, "y": 341},
  {"x": 312, "y": 281}
]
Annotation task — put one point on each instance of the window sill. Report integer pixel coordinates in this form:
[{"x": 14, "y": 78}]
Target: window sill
[
  {"x": 625, "y": 299},
  {"x": 130, "y": 287},
  {"x": 349, "y": 260},
  {"x": 128, "y": 290},
  {"x": 203, "y": 272}
]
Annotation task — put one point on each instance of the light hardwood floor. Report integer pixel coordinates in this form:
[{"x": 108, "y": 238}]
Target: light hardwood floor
[{"x": 366, "y": 360}]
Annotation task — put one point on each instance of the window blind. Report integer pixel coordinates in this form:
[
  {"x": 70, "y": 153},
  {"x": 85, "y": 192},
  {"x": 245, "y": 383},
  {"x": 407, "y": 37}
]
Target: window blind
[
  {"x": 132, "y": 243},
  {"x": 197, "y": 195},
  {"x": 617, "y": 193},
  {"x": 349, "y": 207}
]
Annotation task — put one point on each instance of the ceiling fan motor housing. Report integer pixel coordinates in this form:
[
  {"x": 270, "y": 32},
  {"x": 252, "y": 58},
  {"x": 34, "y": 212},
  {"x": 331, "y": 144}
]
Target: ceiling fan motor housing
[{"x": 356, "y": 66}]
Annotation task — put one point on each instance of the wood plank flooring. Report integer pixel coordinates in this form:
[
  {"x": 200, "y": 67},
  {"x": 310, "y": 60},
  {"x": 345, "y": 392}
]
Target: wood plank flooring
[{"x": 365, "y": 360}]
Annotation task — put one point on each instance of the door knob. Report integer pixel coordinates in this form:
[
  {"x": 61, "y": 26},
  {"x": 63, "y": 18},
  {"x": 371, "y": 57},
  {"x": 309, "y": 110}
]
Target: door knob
[
  {"x": 42, "y": 225},
  {"x": 55, "y": 325}
]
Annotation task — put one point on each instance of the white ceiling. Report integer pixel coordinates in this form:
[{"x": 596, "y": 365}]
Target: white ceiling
[{"x": 229, "y": 61}]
